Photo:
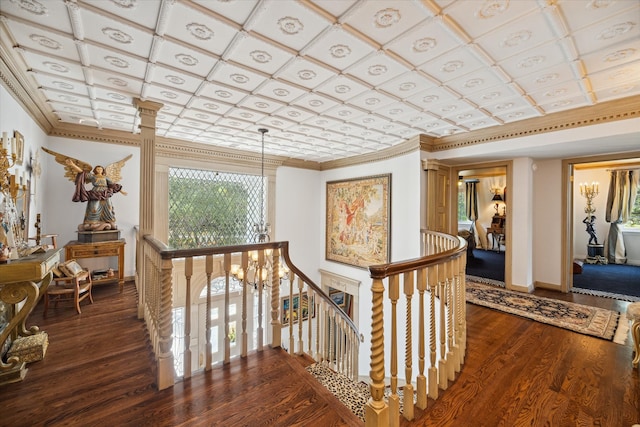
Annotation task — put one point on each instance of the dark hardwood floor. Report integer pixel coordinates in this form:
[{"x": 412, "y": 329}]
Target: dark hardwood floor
[{"x": 517, "y": 372}]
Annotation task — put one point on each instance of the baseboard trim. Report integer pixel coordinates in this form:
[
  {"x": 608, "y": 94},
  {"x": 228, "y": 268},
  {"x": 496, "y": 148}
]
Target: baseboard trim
[{"x": 549, "y": 286}]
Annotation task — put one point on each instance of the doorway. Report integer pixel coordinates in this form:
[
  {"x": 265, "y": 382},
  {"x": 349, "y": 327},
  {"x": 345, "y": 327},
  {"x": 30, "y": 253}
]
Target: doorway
[
  {"x": 486, "y": 187},
  {"x": 587, "y": 270}
]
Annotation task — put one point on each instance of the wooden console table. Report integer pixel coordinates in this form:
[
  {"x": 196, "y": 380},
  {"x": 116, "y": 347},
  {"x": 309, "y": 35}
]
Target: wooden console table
[
  {"x": 22, "y": 282},
  {"x": 76, "y": 250}
]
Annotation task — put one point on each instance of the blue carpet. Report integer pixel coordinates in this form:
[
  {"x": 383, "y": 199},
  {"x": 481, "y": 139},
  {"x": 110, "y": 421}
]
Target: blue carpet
[
  {"x": 613, "y": 279},
  {"x": 486, "y": 264},
  {"x": 610, "y": 278}
]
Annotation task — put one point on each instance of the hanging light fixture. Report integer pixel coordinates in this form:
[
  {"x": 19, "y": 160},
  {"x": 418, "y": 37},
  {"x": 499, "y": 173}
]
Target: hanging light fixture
[{"x": 262, "y": 228}]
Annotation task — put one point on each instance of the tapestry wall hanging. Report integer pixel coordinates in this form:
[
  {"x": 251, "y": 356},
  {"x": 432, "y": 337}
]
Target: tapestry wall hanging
[{"x": 358, "y": 221}]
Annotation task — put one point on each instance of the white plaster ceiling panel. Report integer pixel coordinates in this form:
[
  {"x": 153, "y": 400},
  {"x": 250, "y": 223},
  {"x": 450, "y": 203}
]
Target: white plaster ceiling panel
[
  {"x": 477, "y": 81},
  {"x": 465, "y": 116},
  {"x": 610, "y": 32},
  {"x": 557, "y": 92},
  {"x": 557, "y": 105},
  {"x": 53, "y": 65},
  {"x": 233, "y": 123},
  {"x": 547, "y": 77},
  {"x": 480, "y": 17},
  {"x": 370, "y": 120},
  {"x": 523, "y": 34},
  {"x": 277, "y": 123},
  {"x": 165, "y": 76},
  {"x": 165, "y": 94},
  {"x": 315, "y": 102},
  {"x": 449, "y": 108},
  {"x": 383, "y": 21},
  {"x": 187, "y": 122},
  {"x": 344, "y": 112},
  {"x": 426, "y": 99},
  {"x": 280, "y": 90},
  {"x": 452, "y": 65},
  {"x": 109, "y": 107},
  {"x": 238, "y": 77},
  {"x": 247, "y": 115},
  {"x": 200, "y": 29},
  {"x": 503, "y": 106},
  {"x": 492, "y": 95},
  {"x": 225, "y": 94},
  {"x": 479, "y": 123},
  {"x": 580, "y": 14},
  {"x": 261, "y": 104},
  {"x": 37, "y": 39},
  {"x": 424, "y": 43},
  {"x": 56, "y": 97},
  {"x": 258, "y": 54},
  {"x": 67, "y": 108},
  {"x": 292, "y": 25},
  {"x": 47, "y": 81},
  {"x": 342, "y": 88},
  {"x": 611, "y": 93},
  {"x": 143, "y": 13},
  {"x": 532, "y": 61},
  {"x": 116, "y": 81},
  {"x": 376, "y": 69},
  {"x": 178, "y": 56},
  {"x": 612, "y": 57},
  {"x": 293, "y": 113},
  {"x": 620, "y": 76},
  {"x": 305, "y": 73},
  {"x": 338, "y": 48},
  {"x": 322, "y": 122},
  {"x": 336, "y": 8},
  {"x": 113, "y": 33},
  {"x": 517, "y": 114},
  {"x": 237, "y": 11},
  {"x": 371, "y": 101},
  {"x": 41, "y": 12},
  {"x": 210, "y": 105},
  {"x": 396, "y": 111},
  {"x": 117, "y": 61}
]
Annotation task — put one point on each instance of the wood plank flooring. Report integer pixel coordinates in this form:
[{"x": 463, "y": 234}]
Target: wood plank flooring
[{"x": 517, "y": 372}]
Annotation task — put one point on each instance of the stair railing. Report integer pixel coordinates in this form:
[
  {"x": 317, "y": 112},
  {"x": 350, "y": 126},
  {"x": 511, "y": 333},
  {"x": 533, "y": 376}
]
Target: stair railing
[
  {"x": 439, "y": 276},
  {"x": 313, "y": 323}
]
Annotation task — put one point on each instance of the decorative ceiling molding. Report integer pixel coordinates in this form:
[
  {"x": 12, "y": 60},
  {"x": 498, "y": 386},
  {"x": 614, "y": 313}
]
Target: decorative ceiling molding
[{"x": 622, "y": 109}]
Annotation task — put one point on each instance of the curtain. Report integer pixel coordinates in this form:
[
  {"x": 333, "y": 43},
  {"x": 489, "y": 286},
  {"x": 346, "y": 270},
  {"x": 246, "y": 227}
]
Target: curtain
[
  {"x": 623, "y": 188},
  {"x": 472, "y": 208}
]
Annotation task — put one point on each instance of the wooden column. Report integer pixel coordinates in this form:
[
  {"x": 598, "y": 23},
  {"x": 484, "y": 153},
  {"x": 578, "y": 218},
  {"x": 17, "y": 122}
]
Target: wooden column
[{"x": 148, "y": 111}]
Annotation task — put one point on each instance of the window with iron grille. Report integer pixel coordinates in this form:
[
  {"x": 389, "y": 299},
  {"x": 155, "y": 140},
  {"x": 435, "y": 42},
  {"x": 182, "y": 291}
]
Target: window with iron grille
[{"x": 209, "y": 208}]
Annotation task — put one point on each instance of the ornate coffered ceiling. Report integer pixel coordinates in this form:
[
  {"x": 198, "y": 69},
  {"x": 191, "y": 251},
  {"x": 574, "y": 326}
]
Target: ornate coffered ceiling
[{"x": 330, "y": 79}]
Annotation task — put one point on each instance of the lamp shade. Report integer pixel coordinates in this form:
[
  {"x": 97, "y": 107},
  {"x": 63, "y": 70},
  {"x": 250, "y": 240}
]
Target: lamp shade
[{"x": 497, "y": 198}]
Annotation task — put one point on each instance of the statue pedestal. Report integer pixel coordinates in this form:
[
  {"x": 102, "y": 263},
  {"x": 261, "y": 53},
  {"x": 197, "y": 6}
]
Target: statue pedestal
[
  {"x": 98, "y": 236},
  {"x": 595, "y": 254}
]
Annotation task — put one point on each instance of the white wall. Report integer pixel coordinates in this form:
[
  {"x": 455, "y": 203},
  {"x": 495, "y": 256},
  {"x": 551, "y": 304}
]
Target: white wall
[
  {"x": 520, "y": 208},
  {"x": 12, "y": 118},
  {"x": 547, "y": 221}
]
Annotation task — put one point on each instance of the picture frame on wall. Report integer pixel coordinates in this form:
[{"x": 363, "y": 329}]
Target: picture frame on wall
[
  {"x": 287, "y": 309},
  {"x": 19, "y": 146},
  {"x": 358, "y": 215}
]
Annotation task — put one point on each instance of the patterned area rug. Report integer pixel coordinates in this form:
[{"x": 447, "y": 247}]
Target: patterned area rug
[{"x": 594, "y": 321}]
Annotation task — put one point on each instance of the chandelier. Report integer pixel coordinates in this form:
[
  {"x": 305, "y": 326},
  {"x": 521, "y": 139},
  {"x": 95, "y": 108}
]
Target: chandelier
[
  {"x": 262, "y": 228},
  {"x": 258, "y": 273}
]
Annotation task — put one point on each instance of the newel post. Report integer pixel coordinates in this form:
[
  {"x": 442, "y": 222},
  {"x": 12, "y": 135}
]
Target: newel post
[
  {"x": 376, "y": 411},
  {"x": 166, "y": 373}
]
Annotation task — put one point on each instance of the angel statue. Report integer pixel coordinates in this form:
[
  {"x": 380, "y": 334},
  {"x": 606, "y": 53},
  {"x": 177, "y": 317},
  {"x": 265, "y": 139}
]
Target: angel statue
[{"x": 99, "y": 214}]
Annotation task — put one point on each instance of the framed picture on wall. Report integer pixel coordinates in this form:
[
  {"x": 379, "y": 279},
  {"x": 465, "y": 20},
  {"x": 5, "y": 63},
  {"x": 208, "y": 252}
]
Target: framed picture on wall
[
  {"x": 358, "y": 221},
  {"x": 287, "y": 309}
]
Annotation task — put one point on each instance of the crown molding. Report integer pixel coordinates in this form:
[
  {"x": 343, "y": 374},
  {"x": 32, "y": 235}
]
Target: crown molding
[
  {"x": 622, "y": 109},
  {"x": 23, "y": 92},
  {"x": 401, "y": 149}
]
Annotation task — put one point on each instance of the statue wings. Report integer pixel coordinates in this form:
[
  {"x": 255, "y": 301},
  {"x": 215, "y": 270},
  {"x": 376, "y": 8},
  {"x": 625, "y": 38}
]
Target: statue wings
[{"x": 112, "y": 171}]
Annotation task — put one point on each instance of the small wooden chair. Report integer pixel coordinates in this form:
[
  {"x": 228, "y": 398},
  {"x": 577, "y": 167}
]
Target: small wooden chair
[{"x": 70, "y": 289}]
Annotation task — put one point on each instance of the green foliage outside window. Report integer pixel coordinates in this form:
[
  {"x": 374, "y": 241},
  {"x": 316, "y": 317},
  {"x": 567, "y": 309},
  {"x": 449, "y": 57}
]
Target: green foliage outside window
[
  {"x": 211, "y": 209},
  {"x": 634, "y": 220},
  {"x": 462, "y": 204}
]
